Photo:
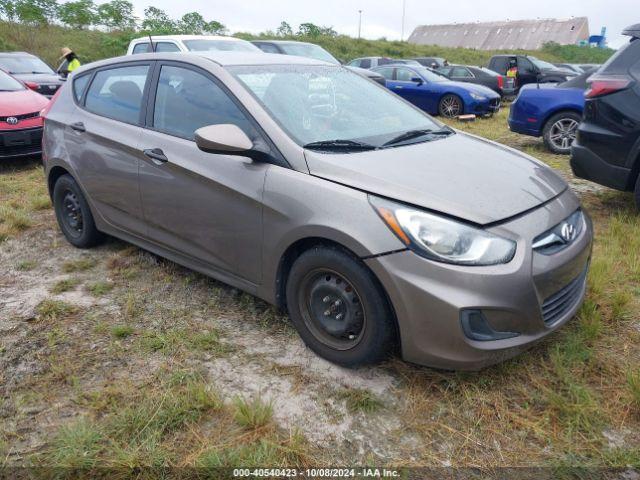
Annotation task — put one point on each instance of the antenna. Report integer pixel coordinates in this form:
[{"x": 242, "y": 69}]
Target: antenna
[{"x": 153, "y": 47}]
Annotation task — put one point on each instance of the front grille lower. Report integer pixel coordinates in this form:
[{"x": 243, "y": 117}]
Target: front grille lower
[
  {"x": 29, "y": 142},
  {"x": 561, "y": 302}
]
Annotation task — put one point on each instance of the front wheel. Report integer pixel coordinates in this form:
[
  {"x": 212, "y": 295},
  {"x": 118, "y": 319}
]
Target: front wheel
[
  {"x": 450, "y": 106},
  {"x": 560, "y": 131},
  {"x": 339, "y": 308},
  {"x": 73, "y": 214}
]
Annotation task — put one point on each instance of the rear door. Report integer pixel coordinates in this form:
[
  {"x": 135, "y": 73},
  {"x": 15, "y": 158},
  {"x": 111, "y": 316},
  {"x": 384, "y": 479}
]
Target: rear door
[
  {"x": 103, "y": 141},
  {"x": 462, "y": 74},
  {"x": 204, "y": 206}
]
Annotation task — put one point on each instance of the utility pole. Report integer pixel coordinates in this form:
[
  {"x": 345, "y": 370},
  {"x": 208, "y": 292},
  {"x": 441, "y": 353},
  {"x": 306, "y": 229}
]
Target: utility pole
[
  {"x": 359, "y": 23},
  {"x": 404, "y": 5}
]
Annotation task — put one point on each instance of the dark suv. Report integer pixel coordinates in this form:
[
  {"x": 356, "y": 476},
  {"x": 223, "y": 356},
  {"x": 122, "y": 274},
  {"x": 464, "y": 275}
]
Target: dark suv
[
  {"x": 607, "y": 147},
  {"x": 530, "y": 69}
]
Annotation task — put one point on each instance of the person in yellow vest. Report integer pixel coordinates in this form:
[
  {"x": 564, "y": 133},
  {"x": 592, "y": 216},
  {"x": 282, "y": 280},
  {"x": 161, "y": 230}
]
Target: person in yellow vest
[
  {"x": 512, "y": 71},
  {"x": 70, "y": 61}
]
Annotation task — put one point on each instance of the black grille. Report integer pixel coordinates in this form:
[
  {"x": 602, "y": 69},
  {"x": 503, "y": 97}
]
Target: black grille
[
  {"x": 24, "y": 116},
  {"x": 558, "y": 304},
  {"x": 17, "y": 143}
]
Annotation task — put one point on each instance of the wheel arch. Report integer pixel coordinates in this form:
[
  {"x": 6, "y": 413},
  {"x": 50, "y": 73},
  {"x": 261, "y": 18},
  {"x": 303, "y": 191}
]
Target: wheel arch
[
  {"x": 557, "y": 110},
  {"x": 54, "y": 174},
  {"x": 303, "y": 245}
]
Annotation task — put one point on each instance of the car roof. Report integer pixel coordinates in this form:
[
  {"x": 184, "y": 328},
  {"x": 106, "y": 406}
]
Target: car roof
[
  {"x": 16, "y": 54},
  {"x": 221, "y": 58},
  {"x": 282, "y": 42},
  {"x": 187, "y": 37}
]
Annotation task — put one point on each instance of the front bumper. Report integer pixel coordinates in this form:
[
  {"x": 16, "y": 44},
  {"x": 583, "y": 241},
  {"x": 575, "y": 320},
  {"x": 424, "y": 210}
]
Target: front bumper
[
  {"x": 20, "y": 142},
  {"x": 429, "y": 297},
  {"x": 485, "y": 107}
]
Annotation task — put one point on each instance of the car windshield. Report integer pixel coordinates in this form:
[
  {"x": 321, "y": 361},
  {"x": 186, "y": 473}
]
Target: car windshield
[
  {"x": 218, "y": 45},
  {"x": 308, "y": 50},
  {"x": 541, "y": 64},
  {"x": 315, "y": 103},
  {"x": 9, "y": 84},
  {"x": 18, "y": 65}
]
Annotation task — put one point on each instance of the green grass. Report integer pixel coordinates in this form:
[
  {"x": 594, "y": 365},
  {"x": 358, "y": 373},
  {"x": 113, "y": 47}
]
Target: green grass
[
  {"x": 98, "y": 289},
  {"x": 360, "y": 400},
  {"x": 51, "y": 310},
  {"x": 77, "y": 446},
  {"x": 65, "y": 285},
  {"x": 79, "y": 265},
  {"x": 122, "y": 331},
  {"x": 254, "y": 413},
  {"x": 170, "y": 341},
  {"x": 633, "y": 385},
  {"x": 26, "y": 265}
]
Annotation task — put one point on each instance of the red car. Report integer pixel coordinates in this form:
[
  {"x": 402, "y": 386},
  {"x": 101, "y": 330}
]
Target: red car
[{"x": 20, "y": 119}]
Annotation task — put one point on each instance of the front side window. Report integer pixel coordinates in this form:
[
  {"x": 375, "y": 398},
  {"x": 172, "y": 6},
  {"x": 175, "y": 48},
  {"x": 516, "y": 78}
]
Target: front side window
[
  {"x": 315, "y": 103},
  {"x": 117, "y": 93},
  {"x": 23, "y": 64},
  {"x": 405, "y": 75},
  {"x": 220, "y": 45},
  {"x": 187, "y": 100},
  {"x": 365, "y": 63}
]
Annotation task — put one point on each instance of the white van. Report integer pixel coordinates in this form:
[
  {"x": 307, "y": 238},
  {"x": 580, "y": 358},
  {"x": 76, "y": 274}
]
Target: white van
[{"x": 190, "y": 43}]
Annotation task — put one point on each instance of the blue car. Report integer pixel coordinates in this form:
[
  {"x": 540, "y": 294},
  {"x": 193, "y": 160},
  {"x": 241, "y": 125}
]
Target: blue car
[
  {"x": 552, "y": 111},
  {"x": 436, "y": 94}
]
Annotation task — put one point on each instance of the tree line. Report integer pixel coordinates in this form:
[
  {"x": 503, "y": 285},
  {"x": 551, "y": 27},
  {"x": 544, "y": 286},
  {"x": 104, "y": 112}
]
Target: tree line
[{"x": 117, "y": 15}]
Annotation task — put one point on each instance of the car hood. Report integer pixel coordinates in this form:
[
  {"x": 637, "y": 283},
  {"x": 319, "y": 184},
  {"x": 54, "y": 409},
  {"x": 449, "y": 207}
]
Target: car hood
[
  {"x": 38, "y": 77},
  {"x": 471, "y": 87},
  {"x": 461, "y": 175},
  {"x": 21, "y": 102}
]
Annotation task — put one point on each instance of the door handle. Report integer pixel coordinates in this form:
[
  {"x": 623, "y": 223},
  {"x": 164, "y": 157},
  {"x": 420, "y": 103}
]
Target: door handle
[
  {"x": 78, "y": 127},
  {"x": 157, "y": 155}
]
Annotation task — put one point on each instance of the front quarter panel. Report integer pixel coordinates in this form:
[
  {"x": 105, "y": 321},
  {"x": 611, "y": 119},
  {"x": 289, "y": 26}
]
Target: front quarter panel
[{"x": 299, "y": 206}]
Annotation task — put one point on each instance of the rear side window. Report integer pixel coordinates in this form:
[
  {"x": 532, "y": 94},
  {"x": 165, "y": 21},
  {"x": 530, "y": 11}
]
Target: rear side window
[
  {"x": 461, "y": 72},
  {"x": 187, "y": 100},
  {"x": 141, "y": 48},
  {"x": 166, "y": 47},
  {"x": 365, "y": 63},
  {"x": 79, "y": 86},
  {"x": 268, "y": 48},
  {"x": 117, "y": 93}
]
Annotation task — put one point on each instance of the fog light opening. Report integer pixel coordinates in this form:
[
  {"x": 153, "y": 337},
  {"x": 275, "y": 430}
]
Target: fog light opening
[{"x": 476, "y": 327}]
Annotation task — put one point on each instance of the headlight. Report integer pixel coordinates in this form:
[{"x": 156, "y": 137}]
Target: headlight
[
  {"x": 442, "y": 239},
  {"x": 475, "y": 96}
]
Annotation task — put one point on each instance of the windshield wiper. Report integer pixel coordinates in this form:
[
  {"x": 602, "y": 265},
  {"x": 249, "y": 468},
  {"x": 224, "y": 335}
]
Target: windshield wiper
[
  {"x": 339, "y": 145},
  {"x": 411, "y": 134}
]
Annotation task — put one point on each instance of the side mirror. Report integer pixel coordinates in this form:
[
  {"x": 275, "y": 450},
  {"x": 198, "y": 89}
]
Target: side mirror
[
  {"x": 417, "y": 80},
  {"x": 226, "y": 139},
  {"x": 32, "y": 86}
]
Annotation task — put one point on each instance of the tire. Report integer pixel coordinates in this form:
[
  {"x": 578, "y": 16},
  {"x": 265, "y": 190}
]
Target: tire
[
  {"x": 74, "y": 215},
  {"x": 560, "y": 131},
  {"x": 636, "y": 191},
  {"x": 450, "y": 106},
  {"x": 365, "y": 334}
]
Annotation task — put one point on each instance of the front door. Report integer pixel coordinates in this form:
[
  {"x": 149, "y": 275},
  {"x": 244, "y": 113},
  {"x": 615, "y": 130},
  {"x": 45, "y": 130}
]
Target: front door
[
  {"x": 408, "y": 89},
  {"x": 201, "y": 205}
]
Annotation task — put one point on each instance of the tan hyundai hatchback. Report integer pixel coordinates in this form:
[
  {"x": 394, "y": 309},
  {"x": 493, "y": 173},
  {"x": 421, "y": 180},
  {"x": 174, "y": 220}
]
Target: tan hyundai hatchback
[{"x": 376, "y": 227}]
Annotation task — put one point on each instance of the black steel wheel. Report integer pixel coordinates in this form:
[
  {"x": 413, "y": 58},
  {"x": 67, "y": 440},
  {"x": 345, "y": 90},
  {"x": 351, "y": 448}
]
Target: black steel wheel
[
  {"x": 339, "y": 308},
  {"x": 73, "y": 214}
]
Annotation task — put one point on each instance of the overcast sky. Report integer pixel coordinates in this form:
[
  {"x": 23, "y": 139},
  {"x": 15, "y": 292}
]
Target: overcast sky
[{"x": 383, "y": 18}]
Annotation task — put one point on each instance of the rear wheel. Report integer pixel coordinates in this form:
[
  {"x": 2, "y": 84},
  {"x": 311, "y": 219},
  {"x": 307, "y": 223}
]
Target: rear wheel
[
  {"x": 73, "y": 214},
  {"x": 339, "y": 309},
  {"x": 450, "y": 106},
  {"x": 560, "y": 131}
]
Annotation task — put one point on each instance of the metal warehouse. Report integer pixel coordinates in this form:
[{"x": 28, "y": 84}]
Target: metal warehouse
[{"x": 510, "y": 35}]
